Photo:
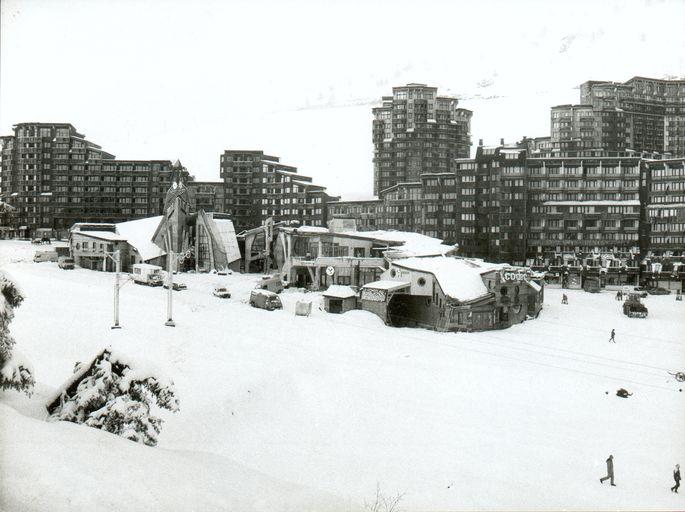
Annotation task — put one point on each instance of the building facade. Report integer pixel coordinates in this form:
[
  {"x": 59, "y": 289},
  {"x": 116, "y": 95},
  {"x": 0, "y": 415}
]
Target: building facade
[
  {"x": 259, "y": 186},
  {"x": 641, "y": 114},
  {"x": 664, "y": 226},
  {"x": 53, "y": 177},
  {"x": 417, "y": 131},
  {"x": 585, "y": 219}
]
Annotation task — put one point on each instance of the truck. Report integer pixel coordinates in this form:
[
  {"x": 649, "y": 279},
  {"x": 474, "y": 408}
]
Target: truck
[
  {"x": 144, "y": 273},
  {"x": 633, "y": 307},
  {"x": 264, "y": 299},
  {"x": 272, "y": 283}
]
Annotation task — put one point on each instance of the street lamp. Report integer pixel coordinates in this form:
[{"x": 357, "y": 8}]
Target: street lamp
[
  {"x": 170, "y": 281},
  {"x": 116, "y": 258}
]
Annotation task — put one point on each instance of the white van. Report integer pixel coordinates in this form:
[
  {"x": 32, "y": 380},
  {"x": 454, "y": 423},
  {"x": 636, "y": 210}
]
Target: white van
[{"x": 144, "y": 273}]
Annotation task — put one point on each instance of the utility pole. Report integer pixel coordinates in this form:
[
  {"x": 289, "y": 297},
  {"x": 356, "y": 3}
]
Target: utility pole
[
  {"x": 117, "y": 263},
  {"x": 170, "y": 281}
]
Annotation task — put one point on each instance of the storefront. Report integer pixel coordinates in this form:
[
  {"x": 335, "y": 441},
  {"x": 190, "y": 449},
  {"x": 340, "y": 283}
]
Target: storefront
[{"x": 453, "y": 294}]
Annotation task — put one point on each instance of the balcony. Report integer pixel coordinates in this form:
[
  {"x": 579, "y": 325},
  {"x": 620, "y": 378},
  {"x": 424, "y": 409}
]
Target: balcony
[{"x": 334, "y": 261}]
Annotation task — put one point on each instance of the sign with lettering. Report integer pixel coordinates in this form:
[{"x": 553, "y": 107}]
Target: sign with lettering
[{"x": 514, "y": 275}]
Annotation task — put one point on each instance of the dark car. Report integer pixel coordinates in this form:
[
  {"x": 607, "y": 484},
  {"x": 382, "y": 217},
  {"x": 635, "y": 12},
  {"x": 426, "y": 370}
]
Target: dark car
[{"x": 658, "y": 291}]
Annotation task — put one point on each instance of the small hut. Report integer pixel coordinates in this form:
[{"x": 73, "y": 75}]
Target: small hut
[{"x": 339, "y": 299}]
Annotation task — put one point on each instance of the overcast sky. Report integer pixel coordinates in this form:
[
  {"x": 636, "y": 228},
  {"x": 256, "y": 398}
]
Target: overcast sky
[{"x": 181, "y": 79}]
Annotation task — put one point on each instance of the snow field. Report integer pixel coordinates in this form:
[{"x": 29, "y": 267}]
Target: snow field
[{"x": 333, "y": 404}]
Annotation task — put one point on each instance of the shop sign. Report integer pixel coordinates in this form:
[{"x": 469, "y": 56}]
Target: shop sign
[{"x": 512, "y": 275}]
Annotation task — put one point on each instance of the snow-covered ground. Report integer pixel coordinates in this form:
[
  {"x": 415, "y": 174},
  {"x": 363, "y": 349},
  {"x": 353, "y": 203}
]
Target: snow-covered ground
[{"x": 280, "y": 412}]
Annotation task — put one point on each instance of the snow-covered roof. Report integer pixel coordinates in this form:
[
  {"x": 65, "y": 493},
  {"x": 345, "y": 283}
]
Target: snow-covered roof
[
  {"x": 139, "y": 234},
  {"x": 409, "y": 243},
  {"x": 337, "y": 291},
  {"x": 309, "y": 229},
  {"x": 228, "y": 239},
  {"x": 458, "y": 278},
  {"x": 387, "y": 285},
  {"x": 534, "y": 285},
  {"x": 103, "y": 235},
  {"x": 627, "y": 202},
  {"x": 413, "y": 244}
]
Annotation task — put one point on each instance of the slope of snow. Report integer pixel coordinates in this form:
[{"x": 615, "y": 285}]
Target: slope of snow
[
  {"x": 66, "y": 467},
  {"x": 522, "y": 418}
]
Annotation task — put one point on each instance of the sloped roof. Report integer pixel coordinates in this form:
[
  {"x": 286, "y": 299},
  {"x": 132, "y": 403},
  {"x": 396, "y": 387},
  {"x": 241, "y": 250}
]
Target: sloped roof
[
  {"x": 337, "y": 291},
  {"x": 139, "y": 234},
  {"x": 228, "y": 239},
  {"x": 387, "y": 285},
  {"x": 458, "y": 278},
  {"x": 102, "y": 235}
]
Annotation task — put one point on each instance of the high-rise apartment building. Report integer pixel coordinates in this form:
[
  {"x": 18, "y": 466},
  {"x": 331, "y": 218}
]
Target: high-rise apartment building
[
  {"x": 259, "y": 186},
  {"x": 53, "y": 177},
  {"x": 641, "y": 114},
  {"x": 578, "y": 217},
  {"x": 416, "y": 131},
  {"x": 664, "y": 198}
]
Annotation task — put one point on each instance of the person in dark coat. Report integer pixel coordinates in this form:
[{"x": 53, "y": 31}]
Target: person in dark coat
[
  {"x": 676, "y": 477},
  {"x": 564, "y": 299},
  {"x": 613, "y": 336},
  {"x": 610, "y": 471}
]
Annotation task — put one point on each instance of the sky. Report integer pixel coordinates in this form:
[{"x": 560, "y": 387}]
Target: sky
[{"x": 298, "y": 79}]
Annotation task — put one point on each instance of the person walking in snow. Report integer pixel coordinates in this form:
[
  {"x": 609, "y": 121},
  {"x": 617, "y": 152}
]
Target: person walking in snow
[
  {"x": 676, "y": 477},
  {"x": 564, "y": 299},
  {"x": 610, "y": 471},
  {"x": 613, "y": 336}
]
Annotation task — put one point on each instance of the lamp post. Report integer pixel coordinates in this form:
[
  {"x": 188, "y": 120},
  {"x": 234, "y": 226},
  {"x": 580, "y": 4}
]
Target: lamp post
[
  {"x": 116, "y": 258},
  {"x": 170, "y": 282}
]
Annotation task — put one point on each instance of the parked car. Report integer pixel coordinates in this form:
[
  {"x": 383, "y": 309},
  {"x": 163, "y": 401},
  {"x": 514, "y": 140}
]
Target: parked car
[
  {"x": 633, "y": 308},
  {"x": 264, "y": 299},
  {"x": 175, "y": 286},
  {"x": 592, "y": 286},
  {"x": 221, "y": 292},
  {"x": 224, "y": 272},
  {"x": 144, "y": 273},
  {"x": 658, "y": 291},
  {"x": 272, "y": 283},
  {"x": 41, "y": 256},
  {"x": 65, "y": 263}
]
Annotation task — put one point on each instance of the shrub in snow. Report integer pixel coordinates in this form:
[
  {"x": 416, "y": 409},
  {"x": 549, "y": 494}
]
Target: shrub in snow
[
  {"x": 115, "y": 394},
  {"x": 15, "y": 372}
]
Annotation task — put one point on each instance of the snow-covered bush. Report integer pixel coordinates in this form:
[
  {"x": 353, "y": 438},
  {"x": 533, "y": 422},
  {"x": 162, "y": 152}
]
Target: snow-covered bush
[
  {"x": 15, "y": 372},
  {"x": 115, "y": 394}
]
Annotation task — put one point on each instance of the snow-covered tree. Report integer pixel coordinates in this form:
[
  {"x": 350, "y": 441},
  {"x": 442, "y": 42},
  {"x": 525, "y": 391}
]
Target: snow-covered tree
[
  {"x": 115, "y": 394},
  {"x": 15, "y": 372}
]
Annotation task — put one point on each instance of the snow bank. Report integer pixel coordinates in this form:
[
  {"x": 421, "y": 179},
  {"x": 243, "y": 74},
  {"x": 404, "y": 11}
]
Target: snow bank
[{"x": 64, "y": 467}]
